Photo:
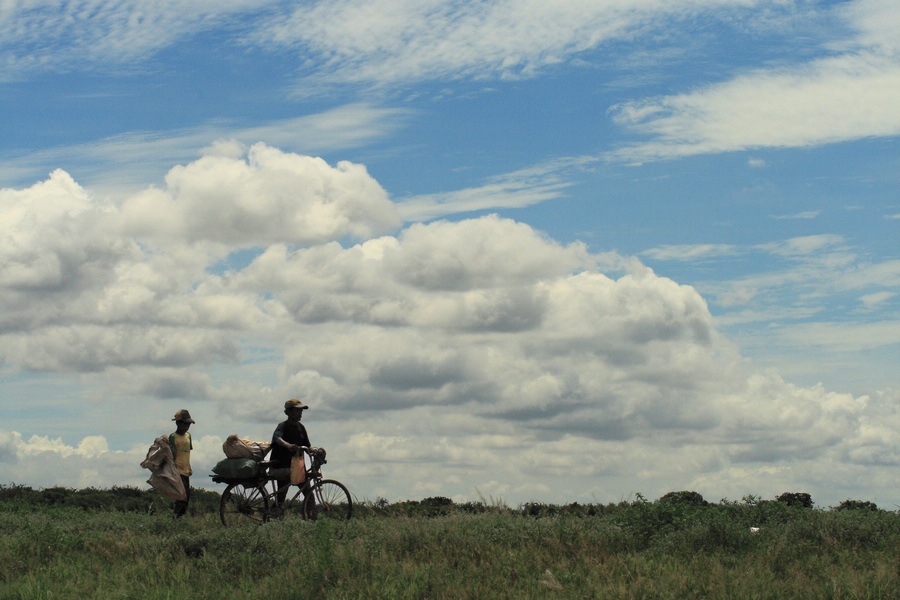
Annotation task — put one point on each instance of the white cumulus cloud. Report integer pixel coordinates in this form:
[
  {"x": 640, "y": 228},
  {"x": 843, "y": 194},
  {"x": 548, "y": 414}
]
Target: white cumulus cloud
[
  {"x": 440, "y": 358},
  {"x": 271, "y": 197}
]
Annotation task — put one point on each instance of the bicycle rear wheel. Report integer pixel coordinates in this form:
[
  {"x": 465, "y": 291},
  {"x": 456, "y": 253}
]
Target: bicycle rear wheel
[
  {"x": 244, "y": 503},
  {"x": 328, "y": 500}
]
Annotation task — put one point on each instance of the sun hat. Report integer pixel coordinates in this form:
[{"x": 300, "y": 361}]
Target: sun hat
[
  {"x": 294, "y": 403},
  {"x": 183, "y": 415}
]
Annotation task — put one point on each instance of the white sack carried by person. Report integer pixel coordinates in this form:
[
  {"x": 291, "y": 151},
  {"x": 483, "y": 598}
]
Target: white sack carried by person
[{"x": 164, "y": 475}]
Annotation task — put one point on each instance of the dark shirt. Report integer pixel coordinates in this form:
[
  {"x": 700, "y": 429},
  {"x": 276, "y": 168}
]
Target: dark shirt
[{"x": 292, "y": 433}]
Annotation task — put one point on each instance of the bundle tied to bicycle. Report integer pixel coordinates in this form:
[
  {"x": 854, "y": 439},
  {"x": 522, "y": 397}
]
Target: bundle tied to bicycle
[{"x": 242, "y": 458}]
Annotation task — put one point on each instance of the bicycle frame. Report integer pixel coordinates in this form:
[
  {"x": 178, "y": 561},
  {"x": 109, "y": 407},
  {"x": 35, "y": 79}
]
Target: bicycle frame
[{"x": 313, "y": 475}]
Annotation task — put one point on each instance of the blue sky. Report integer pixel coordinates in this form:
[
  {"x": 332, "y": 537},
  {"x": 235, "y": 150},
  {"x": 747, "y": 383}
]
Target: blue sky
[{"x": 554, "y": 252}]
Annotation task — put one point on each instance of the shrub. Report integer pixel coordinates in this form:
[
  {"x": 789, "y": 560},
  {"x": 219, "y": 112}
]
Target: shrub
[{"x": 857, "y": 505}]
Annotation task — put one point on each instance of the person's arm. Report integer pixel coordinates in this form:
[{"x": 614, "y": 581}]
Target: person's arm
[
  {"x": 294, "y": 448},
  {"x": 278, "y": 439}
]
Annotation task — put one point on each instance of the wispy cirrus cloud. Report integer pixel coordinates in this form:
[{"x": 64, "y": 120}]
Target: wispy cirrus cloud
[
  {"x": 389, "y": 42},
  {"x": 832, "y": 100},
  {"x": 803, "y": 245},
  {"x": 850, "y": 93},
  {"x": 37, "y": 35},
  {"x": 819, "y": 276},
  {"x": 794, "y": 247},
  {"x": 871, "y": 301},
  {"x": 690, "y": 252},
  {"x": 807, "y": 214},
  {"x": 346, "y": 41},
  {"x": 520, "y": 188},
  {"x": 131, "y": 159}
]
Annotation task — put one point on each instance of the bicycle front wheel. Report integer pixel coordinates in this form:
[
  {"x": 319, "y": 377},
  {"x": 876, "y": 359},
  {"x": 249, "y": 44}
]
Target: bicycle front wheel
[
  {"x": 244, "y": 503},
  {"x": 329, "y": 499}
]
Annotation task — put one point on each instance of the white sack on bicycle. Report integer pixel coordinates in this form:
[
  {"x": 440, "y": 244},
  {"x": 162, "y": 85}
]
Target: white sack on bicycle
[{"x": 235, "y": 447}]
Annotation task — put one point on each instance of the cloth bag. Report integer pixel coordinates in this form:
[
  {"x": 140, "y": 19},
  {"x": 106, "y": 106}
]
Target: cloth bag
[{"x": 298, "y": 470}]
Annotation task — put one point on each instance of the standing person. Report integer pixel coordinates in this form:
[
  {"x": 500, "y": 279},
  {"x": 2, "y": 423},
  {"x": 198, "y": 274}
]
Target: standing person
[
  {"x": 181, "y": 448},
  {"x": 289, "y": 439}
]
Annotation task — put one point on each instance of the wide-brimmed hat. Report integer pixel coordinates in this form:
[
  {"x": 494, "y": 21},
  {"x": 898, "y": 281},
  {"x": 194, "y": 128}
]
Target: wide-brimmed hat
[
  {"x": 294, "y": 403},
  {"x": 184, "y": 416}
]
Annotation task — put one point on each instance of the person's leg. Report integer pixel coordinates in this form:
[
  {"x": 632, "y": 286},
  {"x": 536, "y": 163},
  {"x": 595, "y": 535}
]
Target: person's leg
[
  {"x": 282, "y": 479},
  {"x": 283, "y": 485},
  {"x": 181, "y": 506}
]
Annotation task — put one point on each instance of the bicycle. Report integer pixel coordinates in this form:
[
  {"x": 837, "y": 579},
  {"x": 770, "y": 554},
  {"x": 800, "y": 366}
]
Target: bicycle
[{"x": 249, "y": 500}]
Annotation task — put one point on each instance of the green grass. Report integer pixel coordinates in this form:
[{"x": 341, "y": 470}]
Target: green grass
[{"x": 440, "y": 550}]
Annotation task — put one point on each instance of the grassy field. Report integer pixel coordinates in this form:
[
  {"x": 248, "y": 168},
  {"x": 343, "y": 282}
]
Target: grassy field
[{"x": 125, "y": 544}]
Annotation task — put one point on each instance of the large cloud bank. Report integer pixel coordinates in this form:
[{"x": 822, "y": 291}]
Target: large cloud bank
[{"x": 451, "y": 358}]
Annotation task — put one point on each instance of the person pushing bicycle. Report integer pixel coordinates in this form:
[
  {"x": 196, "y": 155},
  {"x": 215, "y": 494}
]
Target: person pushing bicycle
[
  {"x": 252, "y": 498},
  {"x": 288, "y": 440}
]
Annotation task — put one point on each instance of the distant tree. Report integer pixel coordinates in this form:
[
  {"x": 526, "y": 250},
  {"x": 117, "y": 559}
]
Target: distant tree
[
  {"x": 684, "y": 497},
  {"x": 800, "y": 499},
  {"x": 437, "y": 501},
  {"x": 537, "y": 509}
]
